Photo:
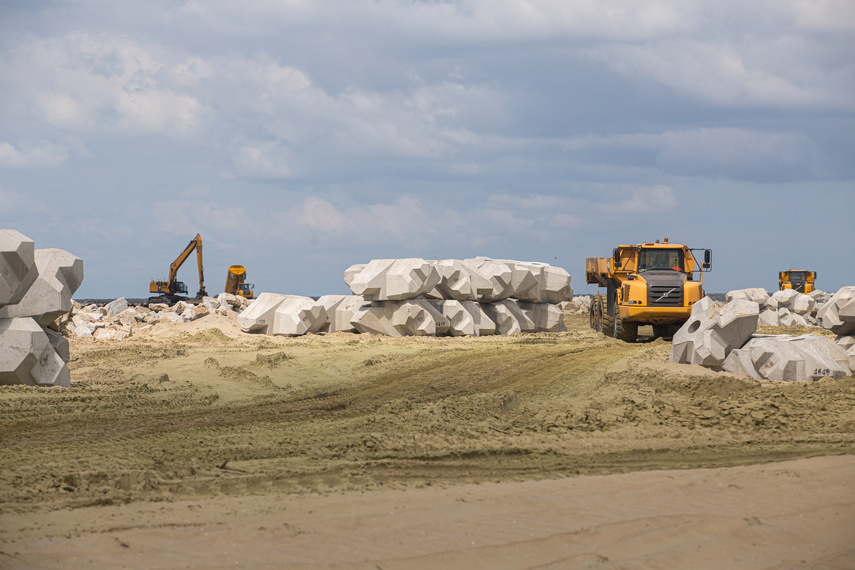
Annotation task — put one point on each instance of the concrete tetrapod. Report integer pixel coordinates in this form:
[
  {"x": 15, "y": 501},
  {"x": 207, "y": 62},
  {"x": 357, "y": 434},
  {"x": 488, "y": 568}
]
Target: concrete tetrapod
[
  {"x": 500, "y": 276},
  {"x": 340, "y": 311},
  {"x": 711, "y": 333},
  {"x": 416, "y": 317},
  {"x": 838, "y": 314},
  {"x": 29, "y": 356},
  {"x": 18, "y": 270},
  {"x": 509, "y": 317},
  {"x": 789, "y": 358}
]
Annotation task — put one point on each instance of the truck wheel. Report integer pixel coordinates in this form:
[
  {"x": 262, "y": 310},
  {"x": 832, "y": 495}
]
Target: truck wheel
[
  {"x": 627, "y": 332},
  {"x": 608, "y": 321}
]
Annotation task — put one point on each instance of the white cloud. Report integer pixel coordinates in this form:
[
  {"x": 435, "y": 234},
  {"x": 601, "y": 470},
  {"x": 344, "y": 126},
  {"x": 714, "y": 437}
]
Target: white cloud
[
  {"x": 43, "y": 155},
  {"x": 266, "y": 160}
]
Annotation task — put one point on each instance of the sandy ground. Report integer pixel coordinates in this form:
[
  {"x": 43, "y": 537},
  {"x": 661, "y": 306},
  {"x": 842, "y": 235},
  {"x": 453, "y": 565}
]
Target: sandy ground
[{"x": 199, "y": 446}]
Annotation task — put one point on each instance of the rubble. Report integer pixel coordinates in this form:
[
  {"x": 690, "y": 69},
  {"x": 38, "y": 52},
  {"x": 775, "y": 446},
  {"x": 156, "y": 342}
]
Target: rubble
[
  {"x": 712, "y": 332},
  {"x": 789, "y": 358}
]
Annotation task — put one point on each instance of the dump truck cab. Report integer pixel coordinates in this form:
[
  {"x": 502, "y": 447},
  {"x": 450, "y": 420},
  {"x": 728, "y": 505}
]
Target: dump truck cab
[
  {"x": 799, "y": 280},
  {"x": 646, "y": 284}
]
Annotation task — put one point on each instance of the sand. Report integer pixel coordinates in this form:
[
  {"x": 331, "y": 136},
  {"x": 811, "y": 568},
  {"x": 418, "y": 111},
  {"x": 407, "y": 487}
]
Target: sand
[{"x": 196, "y": 445}]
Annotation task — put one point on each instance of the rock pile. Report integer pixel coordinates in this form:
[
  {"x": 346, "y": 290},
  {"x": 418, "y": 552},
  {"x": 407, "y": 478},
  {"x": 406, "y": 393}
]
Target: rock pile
[
  {"x": 722, "y": 337},
  {"x": 119, "y": 320},
  {"x": 412, "y": 296},
  {"x": 36, "y": 286}
]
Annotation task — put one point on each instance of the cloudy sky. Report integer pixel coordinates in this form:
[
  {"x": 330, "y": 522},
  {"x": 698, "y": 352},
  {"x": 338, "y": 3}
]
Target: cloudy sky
[{"x": 299, "y": 137}]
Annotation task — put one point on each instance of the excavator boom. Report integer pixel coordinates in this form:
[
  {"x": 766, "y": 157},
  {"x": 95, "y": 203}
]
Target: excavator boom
[{"x": 172, "y": 287}]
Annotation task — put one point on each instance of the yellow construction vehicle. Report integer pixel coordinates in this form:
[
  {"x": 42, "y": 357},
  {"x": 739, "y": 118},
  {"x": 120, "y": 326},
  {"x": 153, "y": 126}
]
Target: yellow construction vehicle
[
  {"x": 797, "y": 279},
  {"x": 646, "y": 284},
  {"x": 170, "y": 289},
  {"x": 236, "y": 282}
]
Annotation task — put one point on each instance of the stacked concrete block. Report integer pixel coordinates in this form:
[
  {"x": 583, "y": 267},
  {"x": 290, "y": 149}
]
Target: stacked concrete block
[
  {"x": 417, "y": 317},
  {"x": 499, "y": 275},
  {"x": 509, "y": 316},
  {"x": 838, "y": 314},
  {"x": 296, "y": 316},
  {"x": 712, "y": 332},
  {"x": 18, "y": 268},
  {"x": 530, "y": 281},
  {"x": 754, "y": 294},
  {"x": 789, "y": 358},
  {"x": 340, "y": 310},
  {"x": 36, "y": 286},
  {"x": 395, "y": 279},
  {"x": 458, "y": 282},
  {"x": 259, "y": 315},
  {"x": 465, "y": 318},
  {"x": 59, "y": 274},
  {"x": 545, "y": 316},
  {"x": 27, "y": 355}
]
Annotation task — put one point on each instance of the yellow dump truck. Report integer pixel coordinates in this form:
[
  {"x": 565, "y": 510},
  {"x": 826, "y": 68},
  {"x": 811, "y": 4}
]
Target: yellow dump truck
[
  {"x": 646, "y": 284},
  {"x": 797, "y": 279},
  {"x": 236, "y": 282}
]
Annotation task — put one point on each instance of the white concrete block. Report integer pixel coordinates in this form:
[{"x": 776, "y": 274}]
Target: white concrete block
[
  {"x": 455, "y": 281},
  {"x": 545, "y": 316},
  {"x": 117, "y": 306},
  {"x": 258, "y": 316},
  {"x": 509, "y": 317},
  {"x": 395, "y": 279},
  {"x": 787, "y": 318},
  {"x": 296, "y": 316},
  {"x": 755, "y": 294},
  {"x": 802, "y": 304},
  {"x": 59, "y": 275},
  {"x": 788, "y": 358},
  {"x": 417, "y": 317},
  {"x": 768, "y": 317},
  {"x": 712, "y": 332},
  {"x": 500, "y": 276},
  {"x": 18, "y": 270},
  {"x": 352, "y": 272},
  {"x": 838, "y": 314},
  {"x": 28, "y": 357}
]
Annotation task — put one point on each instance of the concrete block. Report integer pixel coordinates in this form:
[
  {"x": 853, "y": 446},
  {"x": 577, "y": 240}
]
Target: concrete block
[
  {"x": 28, "y": 357},
  {"x": 296, "y": 316},
  {"x": 755, "y": 294},
  {"x": 18, "y": 270},
  {"x": 460, "y": 321},
  {"x": 509, "y": 317},
  {"x": 417, "y": 317},
  {"x": 530, "y": 281},
  {"x": 838, "y": 314},
  {"x": 258, "y": 316},
  {"x": 455, "y": 281},
  {"x": 352, "y": 272},
  {"x": 788, "y": 358},
  {"x": 500, "y": 276},
  {"x": 395, "y": 279},
  {"x": 545, "y": 316},
  {"x": 787, "y": 318},
  {"x": 802, "y": 304},
  {"x": 782, "y": 298},
  {"x": 340, "y": 310},
  {"x": 768, "y": 317},
  {"x": 712, "y": 332},
  {"x": 49, "y": 296}
]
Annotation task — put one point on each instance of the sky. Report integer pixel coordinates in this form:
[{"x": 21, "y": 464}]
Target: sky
[{"x": 300, "y": 137}]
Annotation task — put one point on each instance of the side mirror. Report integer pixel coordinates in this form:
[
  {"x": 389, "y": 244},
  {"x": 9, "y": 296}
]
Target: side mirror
[
  {"x": 617, "y": 258},
  {"x": 707, "y": 257}
]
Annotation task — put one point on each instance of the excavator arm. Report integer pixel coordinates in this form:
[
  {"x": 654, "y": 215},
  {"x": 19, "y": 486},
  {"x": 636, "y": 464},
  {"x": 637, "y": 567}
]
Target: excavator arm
[{"x": 195, "y": 243}]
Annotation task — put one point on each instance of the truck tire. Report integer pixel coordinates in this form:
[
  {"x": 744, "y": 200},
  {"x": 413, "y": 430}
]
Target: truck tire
[
  {"x": 607, "y": 320},
  {"x": 593, "y": 317},
  {"x": 627, "y": 332}
]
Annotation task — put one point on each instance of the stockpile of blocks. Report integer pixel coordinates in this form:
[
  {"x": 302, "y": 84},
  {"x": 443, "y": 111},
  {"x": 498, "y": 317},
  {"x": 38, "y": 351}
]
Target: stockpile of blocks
[
  {"x": 417, "y": 297},
  {"x": 723, "y": 337},
  {"x": 36, "y": 286},
  {"x": 785, "y": 308}
]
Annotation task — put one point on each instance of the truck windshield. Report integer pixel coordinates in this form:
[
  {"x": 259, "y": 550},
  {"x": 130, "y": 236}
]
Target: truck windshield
[
  {"x": 660, "y": 259},
  {"x": 797, "y": 275}
]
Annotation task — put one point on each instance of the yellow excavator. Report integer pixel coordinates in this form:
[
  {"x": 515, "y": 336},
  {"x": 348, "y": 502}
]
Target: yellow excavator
[
  {"x": 236, "y": 282},
  {"x": 170, "y": 289}
]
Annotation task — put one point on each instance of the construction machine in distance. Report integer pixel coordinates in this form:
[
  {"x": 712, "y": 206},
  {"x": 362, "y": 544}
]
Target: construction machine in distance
[
  {"x": 646, "y": 284},
  {"x": 798, "y": 280},
  {"x": 169, "y": 291},
  {"x": 236, "y": 282}
]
